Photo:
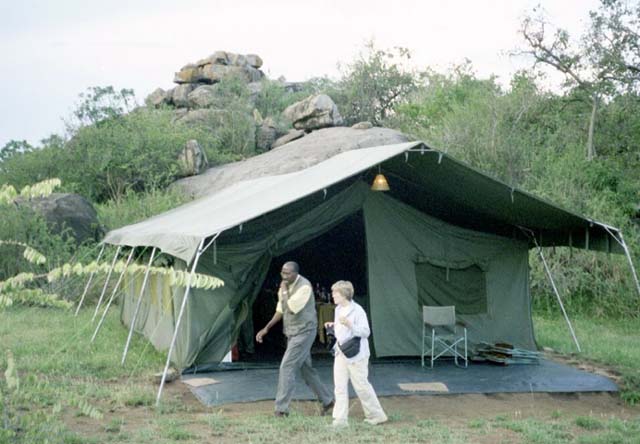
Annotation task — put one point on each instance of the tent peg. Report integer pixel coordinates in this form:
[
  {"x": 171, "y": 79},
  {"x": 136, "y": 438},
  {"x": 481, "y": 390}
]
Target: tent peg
[
  {"x": 440, "y": 155},
  {"x": 406, "y": 156}
]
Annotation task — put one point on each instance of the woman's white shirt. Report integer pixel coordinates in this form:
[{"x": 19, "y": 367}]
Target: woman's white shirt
[{"x": 359, "y": 327}]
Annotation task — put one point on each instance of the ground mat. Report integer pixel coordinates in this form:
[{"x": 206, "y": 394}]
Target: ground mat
[{"x": 406, "y": 378}]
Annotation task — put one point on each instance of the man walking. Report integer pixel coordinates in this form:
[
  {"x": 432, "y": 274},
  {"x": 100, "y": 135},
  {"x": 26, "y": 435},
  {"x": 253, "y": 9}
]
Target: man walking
[{"x": 297, "y": 310}]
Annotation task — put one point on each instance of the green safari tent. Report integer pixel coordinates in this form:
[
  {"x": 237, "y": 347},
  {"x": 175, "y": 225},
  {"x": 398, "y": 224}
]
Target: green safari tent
[{"x": 444, "y": 234}]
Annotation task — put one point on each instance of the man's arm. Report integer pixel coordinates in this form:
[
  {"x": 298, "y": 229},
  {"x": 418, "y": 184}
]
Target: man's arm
[{"x": 277, "y": 317}]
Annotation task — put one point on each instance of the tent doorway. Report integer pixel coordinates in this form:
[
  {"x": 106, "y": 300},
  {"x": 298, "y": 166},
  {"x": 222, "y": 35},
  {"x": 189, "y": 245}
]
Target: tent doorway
[{"x": 338, "y": 254}]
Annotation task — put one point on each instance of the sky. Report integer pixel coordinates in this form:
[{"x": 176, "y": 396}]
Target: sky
[{"x": 51, "y": 51}]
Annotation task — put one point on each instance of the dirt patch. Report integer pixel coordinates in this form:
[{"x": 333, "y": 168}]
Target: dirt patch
[
  {"x": 585, "y": 365},
  {"x": 466, "y": 407},
  {"x": 459, "y": 412}
]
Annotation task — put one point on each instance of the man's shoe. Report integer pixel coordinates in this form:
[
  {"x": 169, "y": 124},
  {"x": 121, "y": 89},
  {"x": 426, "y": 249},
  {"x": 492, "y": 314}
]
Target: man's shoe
[
  {"x": 376, "y": 421},
  {"x": 281, "y": 414},
  {"x": 326, "y": 409}
]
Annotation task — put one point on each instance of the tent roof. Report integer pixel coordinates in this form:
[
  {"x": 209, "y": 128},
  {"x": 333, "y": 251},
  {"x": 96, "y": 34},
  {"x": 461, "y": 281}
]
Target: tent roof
[{"x": 427, "y": 179}]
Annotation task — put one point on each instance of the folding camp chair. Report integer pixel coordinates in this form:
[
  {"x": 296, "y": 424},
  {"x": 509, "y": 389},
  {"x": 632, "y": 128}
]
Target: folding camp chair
[{"x": 444, "y": 333}]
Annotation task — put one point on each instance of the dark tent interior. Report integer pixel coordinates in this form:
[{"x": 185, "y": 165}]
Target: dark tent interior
[{"x": 338, "y": 254}]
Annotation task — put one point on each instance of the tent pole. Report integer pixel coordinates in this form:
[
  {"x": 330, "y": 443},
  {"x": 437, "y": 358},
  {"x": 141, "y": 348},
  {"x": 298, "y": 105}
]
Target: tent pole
[
  {"x": 106, "y": 282},
  {"x": 553, "y": 284},
  {"x": 627, "y": 253},
  {"x": 86, "y": 288},
  {"x": 135, "y": 313},
  {"x": 113, "y": 294},
  {"x": 182, "y": 307},
  {"x": 633, "y": 269}
]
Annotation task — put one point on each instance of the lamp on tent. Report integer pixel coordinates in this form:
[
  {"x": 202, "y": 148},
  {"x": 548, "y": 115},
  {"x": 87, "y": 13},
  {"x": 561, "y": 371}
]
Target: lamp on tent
[{"x": 380, "y": 182}]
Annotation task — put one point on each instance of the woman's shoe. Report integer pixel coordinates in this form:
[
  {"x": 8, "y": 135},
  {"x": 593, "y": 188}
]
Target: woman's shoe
[{"x": 376, "y": 421}]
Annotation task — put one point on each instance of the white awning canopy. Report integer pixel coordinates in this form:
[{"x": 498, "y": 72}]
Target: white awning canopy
[{"x": 179, "y": 231}]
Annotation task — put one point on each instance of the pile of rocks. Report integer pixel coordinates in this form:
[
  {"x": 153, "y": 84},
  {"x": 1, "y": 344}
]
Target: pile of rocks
[
  {"x": 196, "y": 81},
  {"x": 198, "y": 99}
]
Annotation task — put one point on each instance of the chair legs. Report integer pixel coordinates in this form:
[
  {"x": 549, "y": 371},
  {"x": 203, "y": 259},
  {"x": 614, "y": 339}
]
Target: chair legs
[
  {"x": 422, "y": 354},
  {"x": 433, "y": 345},
  {"x": 451, "y": 347}
]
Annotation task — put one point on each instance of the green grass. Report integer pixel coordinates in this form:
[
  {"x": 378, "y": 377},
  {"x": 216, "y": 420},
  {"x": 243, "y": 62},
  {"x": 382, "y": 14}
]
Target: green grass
[
  {"x": 611, "y": 342},
  {"x": 71, "y": 391}
]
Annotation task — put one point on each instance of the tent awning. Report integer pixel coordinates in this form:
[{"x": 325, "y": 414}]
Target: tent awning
[{"x": 427, "y": 179}]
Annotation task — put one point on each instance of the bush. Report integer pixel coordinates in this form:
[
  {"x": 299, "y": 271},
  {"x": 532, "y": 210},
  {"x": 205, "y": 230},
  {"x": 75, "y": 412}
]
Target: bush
[{"x": 373, "y": 85}]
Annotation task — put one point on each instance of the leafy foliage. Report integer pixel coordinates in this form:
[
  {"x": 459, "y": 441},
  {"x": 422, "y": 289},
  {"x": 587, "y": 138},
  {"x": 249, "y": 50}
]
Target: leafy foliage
[{"x": 373, "y": 85}]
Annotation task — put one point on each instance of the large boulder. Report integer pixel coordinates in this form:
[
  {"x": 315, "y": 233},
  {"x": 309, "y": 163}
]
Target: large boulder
[
  {"x": 188, "y": 74},
  {"x": 294, "y": 156},
  {"x": 69, "y": 213},
  {"x": 215, "y": 73},
  {"x": 192, "y": 159},
  {"x": 218, "y": 65},
  {"x": 314, "y": 112},
  {"x": 266, "y": 135},
  {"x": 158, "y": 97},
  {"x": 202, "y": 97},
  {"x": 180, "y": 95}
]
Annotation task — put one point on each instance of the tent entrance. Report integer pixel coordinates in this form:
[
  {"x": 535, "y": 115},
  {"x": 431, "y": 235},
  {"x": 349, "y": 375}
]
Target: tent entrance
[{"x": 338, "y": 254}]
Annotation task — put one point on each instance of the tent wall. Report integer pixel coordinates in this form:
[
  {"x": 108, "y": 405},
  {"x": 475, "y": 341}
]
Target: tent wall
[
  {"x": 397, "y": 237},
  {"x": 241, "y": 260}
]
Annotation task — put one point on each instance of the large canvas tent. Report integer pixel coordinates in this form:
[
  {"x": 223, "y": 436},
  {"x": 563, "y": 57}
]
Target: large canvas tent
[{"x": 444, "y": 234}]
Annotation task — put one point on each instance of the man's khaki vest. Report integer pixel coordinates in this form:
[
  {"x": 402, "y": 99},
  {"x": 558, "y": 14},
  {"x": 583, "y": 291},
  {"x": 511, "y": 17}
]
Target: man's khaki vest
[{"x": 306, "y": 320}]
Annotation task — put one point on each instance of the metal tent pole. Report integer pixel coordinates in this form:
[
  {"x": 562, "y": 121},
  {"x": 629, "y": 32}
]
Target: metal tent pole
[
  {"x": 86, "y": 288},
  {"x": 553, "y": 284},
  {"x": 113, "y": 294},
  {"x": 199, "y": 252},
  {"x": 106, "y": 283},
  {"x": 627, "y": 253},
  {"x": 135, "y": 313},
  {"x": 530, "y": 232}
]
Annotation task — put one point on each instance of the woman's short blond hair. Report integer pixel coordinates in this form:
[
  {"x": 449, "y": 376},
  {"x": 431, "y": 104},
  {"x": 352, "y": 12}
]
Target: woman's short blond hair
[{"x": 345, "y": 288}]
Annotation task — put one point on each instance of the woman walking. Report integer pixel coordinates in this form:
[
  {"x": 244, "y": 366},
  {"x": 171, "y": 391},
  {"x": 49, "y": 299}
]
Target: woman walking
[{"x": 351, "y": 322}]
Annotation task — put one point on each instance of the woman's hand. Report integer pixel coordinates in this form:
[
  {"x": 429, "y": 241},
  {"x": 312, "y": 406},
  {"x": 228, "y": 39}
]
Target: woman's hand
[
  {"x": 346, "y": 322},
  {"x": 328, "y": 325}
]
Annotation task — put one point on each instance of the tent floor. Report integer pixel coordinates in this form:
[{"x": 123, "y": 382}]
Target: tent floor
[{"x": 246, "y": 383}]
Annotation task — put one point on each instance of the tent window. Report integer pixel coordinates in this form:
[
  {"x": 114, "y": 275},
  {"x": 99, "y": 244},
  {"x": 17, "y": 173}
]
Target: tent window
[{"x": 465, "y": 288}]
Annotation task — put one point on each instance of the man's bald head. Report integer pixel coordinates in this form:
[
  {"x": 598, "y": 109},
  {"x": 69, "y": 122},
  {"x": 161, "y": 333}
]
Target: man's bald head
[{"x": 289, "y": 272}]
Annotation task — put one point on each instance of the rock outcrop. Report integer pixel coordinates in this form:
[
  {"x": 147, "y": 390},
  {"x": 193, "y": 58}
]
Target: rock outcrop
[
  {"x": 192, "y": 159},
  {"x": 314, "y": 112},
  {"x": 294, "y": 156},
  {"x": 67, "y": 213},
  {"x": 214, "y": 68},
  {"x": 292, "y": 135}
]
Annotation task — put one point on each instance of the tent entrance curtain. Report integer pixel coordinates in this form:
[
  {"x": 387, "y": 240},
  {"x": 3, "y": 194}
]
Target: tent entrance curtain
[
  {"x": 337, "y": 254},
  {"x": 466, "y": 288}
]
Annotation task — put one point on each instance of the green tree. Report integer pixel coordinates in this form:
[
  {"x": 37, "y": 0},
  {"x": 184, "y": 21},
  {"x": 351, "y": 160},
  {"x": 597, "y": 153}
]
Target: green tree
[
  {"x": 14, "y": 147},
  {"x": 100, "y": 103},
  {"x": 603, "y": 63},
  {"x": 374, "y": 84}
]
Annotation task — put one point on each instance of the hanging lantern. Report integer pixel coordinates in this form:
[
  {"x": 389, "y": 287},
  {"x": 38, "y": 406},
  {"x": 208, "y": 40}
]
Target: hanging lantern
[{"x": 380, "y": 182}]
